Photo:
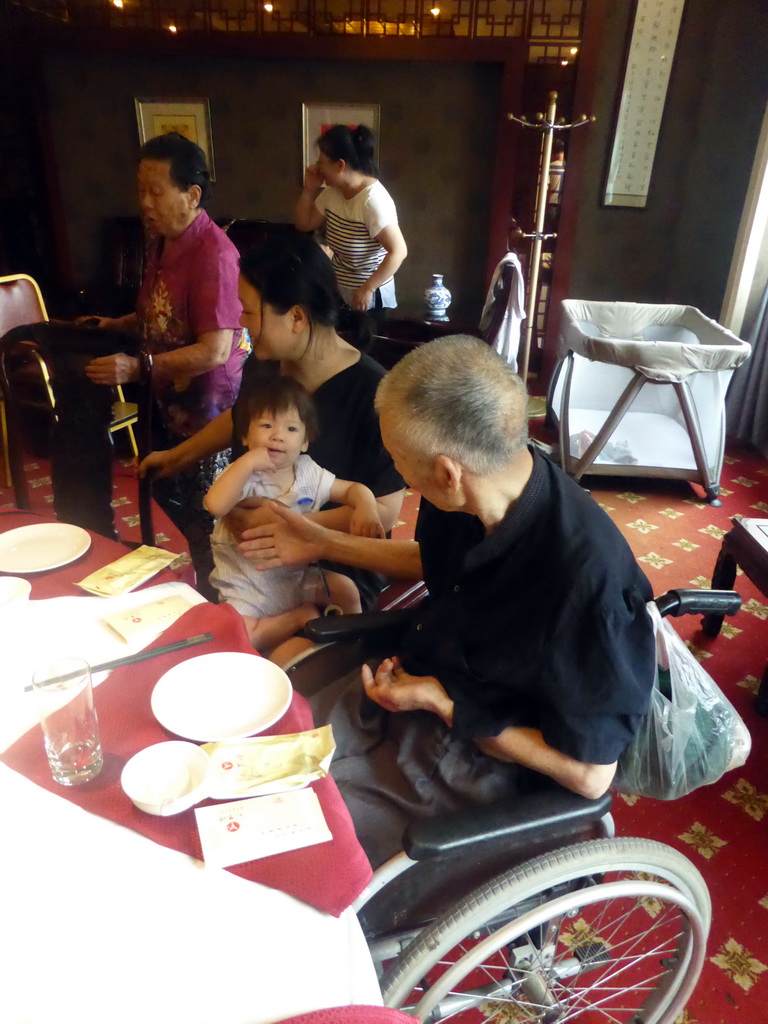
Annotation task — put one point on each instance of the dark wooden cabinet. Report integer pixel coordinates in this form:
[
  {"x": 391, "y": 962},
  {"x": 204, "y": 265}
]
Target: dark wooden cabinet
[{"x": 396, "y": 336}]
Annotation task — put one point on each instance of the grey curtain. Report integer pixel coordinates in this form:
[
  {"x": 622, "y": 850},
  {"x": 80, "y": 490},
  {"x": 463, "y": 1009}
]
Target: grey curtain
[{"x": 746, "y": 406}]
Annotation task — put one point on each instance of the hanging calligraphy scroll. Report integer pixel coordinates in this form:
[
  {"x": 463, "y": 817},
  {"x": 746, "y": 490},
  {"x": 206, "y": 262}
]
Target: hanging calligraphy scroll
[{"x": 649, "y": 62}]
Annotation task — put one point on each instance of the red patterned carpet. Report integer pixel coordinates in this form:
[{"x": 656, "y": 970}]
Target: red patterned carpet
[{"x": 723, "y": 829}]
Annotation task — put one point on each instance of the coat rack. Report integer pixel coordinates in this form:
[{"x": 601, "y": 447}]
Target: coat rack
[{"x": 546, "y": 124}]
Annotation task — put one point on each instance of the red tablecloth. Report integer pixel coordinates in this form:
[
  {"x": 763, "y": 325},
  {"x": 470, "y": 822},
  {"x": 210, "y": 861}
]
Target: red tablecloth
[
  {"x": 328, "y": 876},
  {"x": 61, "y": 582},
  {"x": 352, "y": 1015}
]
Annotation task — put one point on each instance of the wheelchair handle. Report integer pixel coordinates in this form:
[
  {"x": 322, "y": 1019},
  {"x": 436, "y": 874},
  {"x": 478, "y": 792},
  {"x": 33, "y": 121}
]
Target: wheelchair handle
[{"x": 698, "y": 602}]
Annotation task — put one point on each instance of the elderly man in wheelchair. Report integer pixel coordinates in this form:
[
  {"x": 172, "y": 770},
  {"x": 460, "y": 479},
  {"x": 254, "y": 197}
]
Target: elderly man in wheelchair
[{"x": 485, "y": 727}]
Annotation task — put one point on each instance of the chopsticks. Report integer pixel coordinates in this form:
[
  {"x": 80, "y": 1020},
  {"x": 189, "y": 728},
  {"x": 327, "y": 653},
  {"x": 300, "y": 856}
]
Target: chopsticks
[{"x": 131, "y": 659}]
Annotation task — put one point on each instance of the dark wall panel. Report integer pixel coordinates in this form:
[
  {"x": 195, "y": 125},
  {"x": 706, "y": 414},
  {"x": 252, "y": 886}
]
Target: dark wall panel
[
  {"x": 679, "y": 248},
  {"x": 438, "y": 127}
]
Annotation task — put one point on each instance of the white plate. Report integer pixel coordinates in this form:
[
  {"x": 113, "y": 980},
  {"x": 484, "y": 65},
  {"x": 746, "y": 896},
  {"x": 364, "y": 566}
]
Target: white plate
[
  {"x": 225, "y": 696},
  {"x": 42, "y": 546}
]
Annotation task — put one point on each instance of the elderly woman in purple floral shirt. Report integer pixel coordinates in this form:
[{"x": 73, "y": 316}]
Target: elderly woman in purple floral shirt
[{"x": 188, "y": 316}]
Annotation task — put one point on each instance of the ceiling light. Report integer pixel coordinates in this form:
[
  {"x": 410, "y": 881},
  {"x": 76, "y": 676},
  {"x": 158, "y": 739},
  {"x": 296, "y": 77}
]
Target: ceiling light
[
  {"x": 117, "y": 3},
  {"x": 574, "y": 50},
  {"x": 268, "y": 7},
  {"x": 435, "y": 11},
  {"x": 564, "y": 63},
  {"x": 172, "y": 28}
]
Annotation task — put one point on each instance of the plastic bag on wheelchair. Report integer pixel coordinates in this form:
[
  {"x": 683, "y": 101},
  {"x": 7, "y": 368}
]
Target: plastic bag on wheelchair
[{"x": 691, "y": 735}]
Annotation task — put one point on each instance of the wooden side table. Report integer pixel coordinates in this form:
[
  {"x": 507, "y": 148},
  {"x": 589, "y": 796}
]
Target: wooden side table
[
  {"x": 746, "y": 545},
  {"x": 395, "y": 337}
]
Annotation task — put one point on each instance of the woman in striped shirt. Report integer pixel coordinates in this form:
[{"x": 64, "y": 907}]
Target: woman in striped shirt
[{"x": 357, "y": 214}]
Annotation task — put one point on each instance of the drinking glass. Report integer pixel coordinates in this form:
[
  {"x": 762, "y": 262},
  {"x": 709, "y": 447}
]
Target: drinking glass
[{"x": 67, "y": 715}]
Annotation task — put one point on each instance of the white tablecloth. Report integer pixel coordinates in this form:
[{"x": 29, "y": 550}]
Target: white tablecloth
[{"x": 99, "y": 924}]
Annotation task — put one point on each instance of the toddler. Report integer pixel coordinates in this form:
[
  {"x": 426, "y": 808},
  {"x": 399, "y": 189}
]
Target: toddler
[{"x": 281, "y": 423}]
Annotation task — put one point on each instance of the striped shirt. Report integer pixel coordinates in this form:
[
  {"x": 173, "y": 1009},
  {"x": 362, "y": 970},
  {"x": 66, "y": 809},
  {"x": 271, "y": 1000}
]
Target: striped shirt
[{"x": 351, "y": 226}]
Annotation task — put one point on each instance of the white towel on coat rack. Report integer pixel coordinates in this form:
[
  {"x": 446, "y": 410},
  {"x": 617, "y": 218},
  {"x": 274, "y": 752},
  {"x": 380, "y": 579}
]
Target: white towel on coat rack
[{"x": 507, "y": 341}]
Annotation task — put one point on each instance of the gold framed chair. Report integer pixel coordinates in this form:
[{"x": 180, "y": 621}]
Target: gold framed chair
[
  {"x": 41, "y": 365},
  {"x": 5, "y": 445},
  {"x": 21, "y": 302}
]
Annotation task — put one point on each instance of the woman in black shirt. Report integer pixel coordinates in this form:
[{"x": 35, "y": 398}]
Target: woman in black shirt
[{"x": 290, "y": 308}]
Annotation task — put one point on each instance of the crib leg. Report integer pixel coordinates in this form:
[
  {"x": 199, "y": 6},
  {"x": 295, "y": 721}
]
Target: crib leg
[{"x": 711, "y": 487}]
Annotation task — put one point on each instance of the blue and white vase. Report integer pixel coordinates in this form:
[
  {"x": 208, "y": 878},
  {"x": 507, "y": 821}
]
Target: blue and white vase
[{"x": 438, "y": 299}]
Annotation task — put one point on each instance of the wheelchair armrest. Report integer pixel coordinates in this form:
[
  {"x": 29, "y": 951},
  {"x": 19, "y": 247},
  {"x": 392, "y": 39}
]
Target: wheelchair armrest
[
  {"x": 521, "y": 819},
  {"x": 333, "y": 628},
  {"x": 698, "y": 602}
]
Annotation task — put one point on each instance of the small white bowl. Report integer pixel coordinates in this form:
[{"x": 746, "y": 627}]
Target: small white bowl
[
  {"x": 167, "y": 778},
  {"x": 14, "y": 599},
  {"x": 13, "y": 590}
]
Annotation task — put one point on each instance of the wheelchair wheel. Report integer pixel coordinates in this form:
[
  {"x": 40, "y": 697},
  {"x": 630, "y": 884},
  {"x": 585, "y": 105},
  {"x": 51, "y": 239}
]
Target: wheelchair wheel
[{"x": 611, "y": 931}]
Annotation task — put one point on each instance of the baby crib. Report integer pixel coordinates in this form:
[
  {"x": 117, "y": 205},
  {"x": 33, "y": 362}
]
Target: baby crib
[{"x": 639, "y": 390}]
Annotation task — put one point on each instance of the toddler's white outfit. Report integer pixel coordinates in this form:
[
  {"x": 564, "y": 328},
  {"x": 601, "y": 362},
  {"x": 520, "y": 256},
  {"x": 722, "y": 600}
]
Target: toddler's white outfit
[{"x": 261, "y": 593}]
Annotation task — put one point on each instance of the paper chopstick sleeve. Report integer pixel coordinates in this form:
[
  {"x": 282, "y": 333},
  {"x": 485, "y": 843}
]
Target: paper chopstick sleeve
[
  {"x": 127, "y": 572},
  {"x": 265, "y": 763},
  {"x": 148, "y": 620}
]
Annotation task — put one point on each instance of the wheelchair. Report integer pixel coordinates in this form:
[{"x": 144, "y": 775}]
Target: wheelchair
[{"x": 532, "y": 913}]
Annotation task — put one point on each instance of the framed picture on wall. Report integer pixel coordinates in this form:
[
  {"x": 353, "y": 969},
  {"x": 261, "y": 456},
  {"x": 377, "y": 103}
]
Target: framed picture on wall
[
  {"x": 190, "y": 117},
  {"x": 317, "y": 118}
]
